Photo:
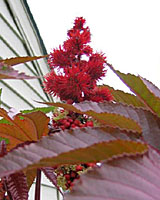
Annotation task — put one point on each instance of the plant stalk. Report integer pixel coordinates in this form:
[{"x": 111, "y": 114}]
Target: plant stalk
[{"x": 38, "y": 185}]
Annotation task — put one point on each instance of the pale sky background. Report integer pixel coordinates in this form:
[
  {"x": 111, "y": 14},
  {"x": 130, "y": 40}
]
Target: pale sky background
[{"x": 127, "y": 31}]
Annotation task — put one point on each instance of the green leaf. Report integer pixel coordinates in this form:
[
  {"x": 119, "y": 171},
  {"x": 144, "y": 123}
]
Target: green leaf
[
  {"x": 42, "y": 109},
  {"x": 142, "y": 89},
  {"x": 71, "y": 147},
  {"x": 122, "y": 97}
]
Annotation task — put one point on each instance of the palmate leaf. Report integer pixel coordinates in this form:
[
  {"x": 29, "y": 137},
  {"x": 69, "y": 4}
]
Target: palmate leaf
[
  {"x": 145, "y": 90},
  {"x": 124, "y": 178},
  {"x": 24, "y": 127},
  {"x": 149, "y": 123},
  {"x": 71, "y": 147},
  {"x": 17, "y": 186},
  {"x": 122, "y": 97}
]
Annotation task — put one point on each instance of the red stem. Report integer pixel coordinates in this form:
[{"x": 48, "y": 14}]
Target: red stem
[{"x": 38, "y": 185}]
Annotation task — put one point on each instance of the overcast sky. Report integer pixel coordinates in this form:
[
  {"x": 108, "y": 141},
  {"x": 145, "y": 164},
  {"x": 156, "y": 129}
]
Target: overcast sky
[{"x": 127, "y": 31}]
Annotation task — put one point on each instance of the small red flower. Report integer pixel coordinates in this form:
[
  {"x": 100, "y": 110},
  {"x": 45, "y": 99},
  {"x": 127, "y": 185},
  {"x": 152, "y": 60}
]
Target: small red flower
[
  {"x": 77, "y": 40},
  {"x": 100, "y": 94},
  {"x": 85, "y": 36},
  {"x": 79, "y": 23},
  {"x": 71, "y": 86},
  {"x": 59, "y": 58},
  {"x": 87, "y": 50},
  {"x": 96, "y": 66}
]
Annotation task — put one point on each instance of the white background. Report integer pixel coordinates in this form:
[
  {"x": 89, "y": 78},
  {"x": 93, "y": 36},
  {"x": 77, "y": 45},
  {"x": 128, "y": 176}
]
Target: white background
[{"x": 127, "y": 31}]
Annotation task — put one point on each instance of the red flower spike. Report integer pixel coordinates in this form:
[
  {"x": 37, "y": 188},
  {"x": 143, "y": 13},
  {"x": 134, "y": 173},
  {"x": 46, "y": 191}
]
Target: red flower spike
[{"x": 77, "y": 81}]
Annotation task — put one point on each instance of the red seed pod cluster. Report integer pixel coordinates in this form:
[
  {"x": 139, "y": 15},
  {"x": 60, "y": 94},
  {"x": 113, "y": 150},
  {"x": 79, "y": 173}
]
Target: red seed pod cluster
[
  {"x": 66, "y": 175},
  {"x": 68, "y": 123}
]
